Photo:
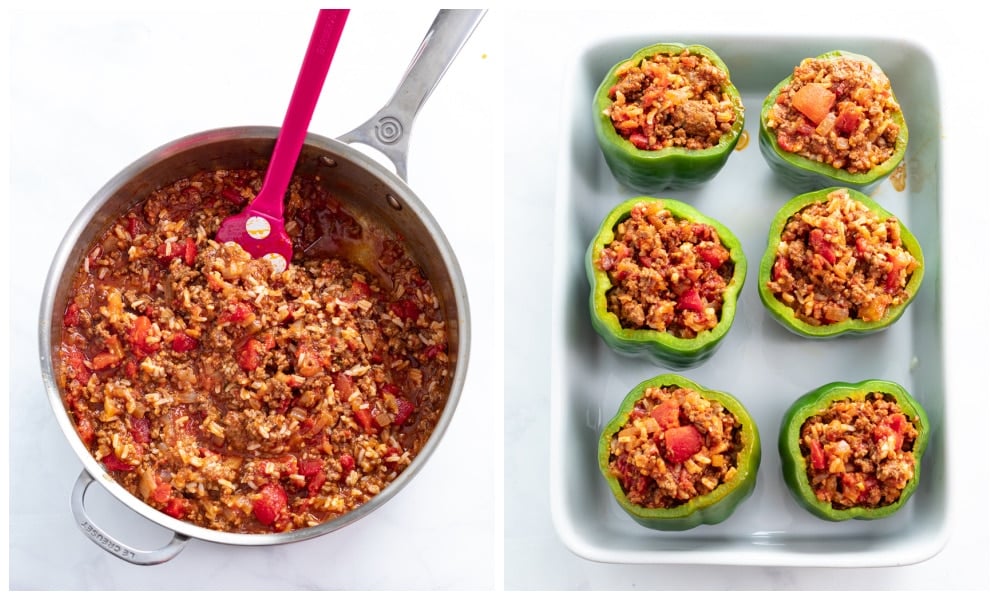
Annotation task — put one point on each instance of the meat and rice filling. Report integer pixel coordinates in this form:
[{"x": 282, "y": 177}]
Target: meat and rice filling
[
  {"x": 837, "y": 111},
  {"x": 672, "y": 101},
  {"x": 836, "y": 260},
  {"x": 667, "y": 274},
  {"x": 238, "y": 399},
  {"x": 677, "y": 445},
  {"x": 859, "y": 453}
]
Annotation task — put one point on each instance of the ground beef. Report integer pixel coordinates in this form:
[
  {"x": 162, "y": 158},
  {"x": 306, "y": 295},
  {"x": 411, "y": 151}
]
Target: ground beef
[
  {"x": 837, "y": 111},
  {"x": 676, "y": 445},
  {"x": 242, "y": 400},
  {"x": 859, "y": 452},
  {"x": 836, "y": 260},
  {"x": 672, "y": 101},
  {"x": 667, "y": 274}
]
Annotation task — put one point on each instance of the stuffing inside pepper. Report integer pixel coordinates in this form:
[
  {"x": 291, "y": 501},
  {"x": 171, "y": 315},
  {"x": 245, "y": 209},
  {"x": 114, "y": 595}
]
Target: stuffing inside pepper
[
  {"x": 859, "y": 452},
  {"x": 672, "y": 101},
  {"x": 675, "y": 446}
]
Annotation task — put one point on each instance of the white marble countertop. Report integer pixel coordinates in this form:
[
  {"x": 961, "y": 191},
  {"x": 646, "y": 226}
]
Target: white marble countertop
[
  {"x": 91, "y": 91},
  {"x": 539, "y": 50}
]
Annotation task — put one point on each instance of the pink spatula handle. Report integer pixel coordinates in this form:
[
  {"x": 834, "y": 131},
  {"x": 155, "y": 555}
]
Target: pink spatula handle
[{"x": 312, "y": 74}]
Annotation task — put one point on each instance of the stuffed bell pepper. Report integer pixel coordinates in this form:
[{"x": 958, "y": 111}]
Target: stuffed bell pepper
[
  {"x": 838, "y": 263},
  {"x": 833, "y": 122},
  {"x": 664, "y": 281},
  {"x": 852, "y": 450},
  {"x": 677, "y": 455},
  {"x": 669, "y": 116}
]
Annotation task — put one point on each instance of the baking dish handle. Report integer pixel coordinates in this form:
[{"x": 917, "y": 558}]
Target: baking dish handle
[
  {"x": 388, "y": 131},
  {"x": 109, "y": 543}
]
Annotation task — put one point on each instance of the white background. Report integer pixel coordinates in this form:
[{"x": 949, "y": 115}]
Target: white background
[{"x": 91, "y": 91}]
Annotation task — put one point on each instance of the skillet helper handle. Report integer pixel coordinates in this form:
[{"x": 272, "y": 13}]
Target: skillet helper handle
[
  {"x": 388, "y": 131},
  {"x": 108, "y": 542}
]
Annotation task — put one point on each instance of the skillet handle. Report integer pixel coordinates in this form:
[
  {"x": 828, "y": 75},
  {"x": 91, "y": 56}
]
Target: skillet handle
[
  {"x": 109, "y": 543},
  {"x": 388, "y": 131}
]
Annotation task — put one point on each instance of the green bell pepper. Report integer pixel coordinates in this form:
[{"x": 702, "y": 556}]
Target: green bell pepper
[
  {"x": 651, "y": 171},
  {"x": 661, "y": 347},
  {"x": 802, "y": 173},
  {"x": 856, "y": 325},
  {"x": 798, "y": 457},
  {"x": 709, "y": 508}
]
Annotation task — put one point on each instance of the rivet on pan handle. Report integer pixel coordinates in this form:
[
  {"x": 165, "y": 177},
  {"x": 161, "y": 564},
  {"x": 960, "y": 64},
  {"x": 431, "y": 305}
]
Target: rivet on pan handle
[
  {"x": 388, "y": 131},
  {"x": 108, "y": 542}
]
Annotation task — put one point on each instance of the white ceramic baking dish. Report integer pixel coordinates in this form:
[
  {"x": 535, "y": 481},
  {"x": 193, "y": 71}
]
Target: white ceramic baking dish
[{"x": 761, "y": 363}]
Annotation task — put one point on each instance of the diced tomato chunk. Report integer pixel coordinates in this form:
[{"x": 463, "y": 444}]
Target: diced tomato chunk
[
  {"x": 847, "y": 122},
  {"x": 310, "y": 466},
  {"x": 344, "y": 386},
  {"x": 690, "y": 300},
  {"x": 176, "y": 507},
  {"x": 639, "y": 140},
  {"x": 161, "y": 493},
  {"x": 75, "y": 358},
  {"x": 182, "y": 342},
  {"x": 682, "y": 443},
  {"x": 805, "y": 128},
  {"x": 281, "y": 466},
  {"x": 248, "y": 355},
  {"x": 186, "y": 250},
  {"x": 360, "y": 289},
  {"x": 365, "y": 418},
  {"x": 715, "y": 255},
  {"x": 405, "y": 309},
  {"x": 139, "y": 429},
  {"x": 891, "y": 428},
  {"x": 701, "y": 231},
  {"x": 668, "y": 414},
  {"x": 190, "y": 252},
  {"x": 820, "y": 245},
  {"x": 113, "y": 463},
  {"x": 232, "y": 195},
  {"x": 134, "y": 225},
  {"x": 347, "y": 462},
  {"x": 814, "y": 101},
  {"x": 896, "y": 422},
  {"x": 432, "y": 351},
  {"x": 238, "y": 312},
  {"x": 138, "y": 337},
  {"x": 308, "y": 361},
  {"x": 894, "y": 279},
  {"x": 315, "y": 483},
  {"x": 140, "y": 328},
  {"x": 271, "y": 503},
  {"x": 405, "y": 409},
  {"x": 786, "y": 143},
  {"x": 84, "y": 427},
  {"x": 817, "y": 456},
  {"x": 780, "y": 270},
  {"x": 104, "y": 360},
  {"x": 71, "y": 318}
]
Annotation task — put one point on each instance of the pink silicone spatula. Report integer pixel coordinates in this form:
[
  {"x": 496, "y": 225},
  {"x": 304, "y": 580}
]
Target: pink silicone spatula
[{"x": 260, "y": 227}]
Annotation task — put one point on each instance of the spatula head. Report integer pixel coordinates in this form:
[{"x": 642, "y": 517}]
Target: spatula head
[{"x": 261, "y": 235}]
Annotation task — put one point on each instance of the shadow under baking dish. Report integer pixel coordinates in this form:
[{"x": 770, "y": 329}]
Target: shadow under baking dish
[{"x": 762, "y": 364}]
